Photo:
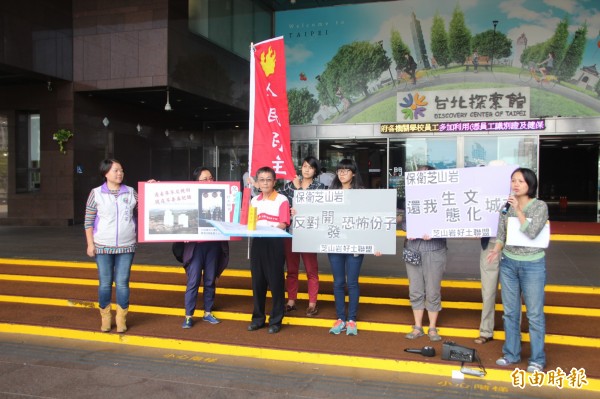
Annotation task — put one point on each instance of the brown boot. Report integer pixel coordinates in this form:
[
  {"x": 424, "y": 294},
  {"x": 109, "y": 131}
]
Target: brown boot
[
  {"x": 121, "y": 319},
  {"x": 106, "y": 319}
]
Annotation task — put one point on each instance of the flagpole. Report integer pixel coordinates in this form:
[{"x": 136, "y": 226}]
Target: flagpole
[{"x": 251, "y": 124}]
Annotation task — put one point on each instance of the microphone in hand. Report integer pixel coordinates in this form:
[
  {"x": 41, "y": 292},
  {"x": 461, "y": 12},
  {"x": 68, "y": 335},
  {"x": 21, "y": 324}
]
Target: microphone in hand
[
  {"x": 507, "y": 205},
  {"x": 427, "y": 351}
]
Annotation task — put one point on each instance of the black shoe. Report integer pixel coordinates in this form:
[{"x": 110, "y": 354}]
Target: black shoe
[
  {"x": 254, "y": 327},
  {"x": 274, "y": 329},
  {"x": 290, "y": 308}
]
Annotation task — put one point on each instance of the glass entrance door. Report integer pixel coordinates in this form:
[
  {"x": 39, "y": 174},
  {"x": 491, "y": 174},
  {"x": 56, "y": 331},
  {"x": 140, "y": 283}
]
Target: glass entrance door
[
  {"x": 568, "y": 177},
  {"x": 231, "y": 162},
  {"x": 369, "y": 155}
]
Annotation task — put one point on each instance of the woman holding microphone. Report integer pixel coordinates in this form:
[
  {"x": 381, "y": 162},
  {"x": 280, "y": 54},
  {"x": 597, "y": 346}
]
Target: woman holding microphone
[{"x": 522, "y": 271}]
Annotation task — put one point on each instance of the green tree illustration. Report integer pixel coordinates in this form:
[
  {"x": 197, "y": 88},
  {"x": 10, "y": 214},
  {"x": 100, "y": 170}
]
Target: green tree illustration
[
  {"x": 487, "y": 43},
  {"x": 302, "y": 106},
  {"x": 534, "y": 54},
  {"x": 573, "y": 55},
  {"x": 399, "y": 49},
  {"x": 439, "y": 41},
  {"x": 557, "y": 44},
  {"x": 459, "y": 37},
  {"x": 351, "y": 69}
]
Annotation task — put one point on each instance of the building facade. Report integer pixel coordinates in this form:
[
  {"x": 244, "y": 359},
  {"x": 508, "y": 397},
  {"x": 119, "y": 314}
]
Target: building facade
[
  {"x": 163, "y": 86},
  {"x": 106, "y": 72}
]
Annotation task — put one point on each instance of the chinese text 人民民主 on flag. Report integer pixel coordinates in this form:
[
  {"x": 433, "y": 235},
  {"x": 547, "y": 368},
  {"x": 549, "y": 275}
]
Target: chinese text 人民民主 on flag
[{"x": 269, "y": 122}]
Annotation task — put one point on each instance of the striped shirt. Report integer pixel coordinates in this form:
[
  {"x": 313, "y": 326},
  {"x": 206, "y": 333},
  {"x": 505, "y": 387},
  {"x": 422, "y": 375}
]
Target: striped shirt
[
  {"x": 90, "y": 220},
  {"x": 435, "y": 244}
]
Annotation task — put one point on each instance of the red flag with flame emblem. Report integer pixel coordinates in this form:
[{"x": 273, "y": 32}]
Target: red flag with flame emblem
[{"x": 269, "y": 117}]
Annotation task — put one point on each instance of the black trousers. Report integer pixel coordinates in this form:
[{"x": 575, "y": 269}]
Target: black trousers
[{"x": 267, "y": 261}]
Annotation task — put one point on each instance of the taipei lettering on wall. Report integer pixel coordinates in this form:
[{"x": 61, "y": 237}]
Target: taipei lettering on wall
[{"x": 463, "y": 104}]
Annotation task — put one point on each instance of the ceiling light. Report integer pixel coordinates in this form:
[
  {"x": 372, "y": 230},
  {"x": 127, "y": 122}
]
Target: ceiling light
[
  {"x": 168, "y": 105},
  {"x": 337, "y": 146},
  {"x": 105, "y": 122}
]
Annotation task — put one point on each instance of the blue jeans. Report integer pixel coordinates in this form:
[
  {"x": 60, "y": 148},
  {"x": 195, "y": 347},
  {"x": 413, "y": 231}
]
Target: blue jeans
[
  {"x": 345, "y": 269},
  {"x": 526, "y": 278},
  {"x": 114, "y": 268}
]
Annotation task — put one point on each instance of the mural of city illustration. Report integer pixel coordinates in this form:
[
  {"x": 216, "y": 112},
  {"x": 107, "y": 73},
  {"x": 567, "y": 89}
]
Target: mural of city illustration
[{"x": 427, "y": 60}]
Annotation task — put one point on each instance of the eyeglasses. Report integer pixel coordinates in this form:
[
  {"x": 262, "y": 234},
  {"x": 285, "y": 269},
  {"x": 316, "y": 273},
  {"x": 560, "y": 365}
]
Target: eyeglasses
[
  {"x": 343, "y": 171},
  {"x": 265, "y": 180}
]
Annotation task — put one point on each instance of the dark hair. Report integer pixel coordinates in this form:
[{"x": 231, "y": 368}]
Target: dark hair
[
  {"x": 198, "y": 171},
  {"x": 266, "y": 169},
  {"x": 349, "y": 164},
  {"x": 425, "y": 167},
  {"x": 314, "y": 163},
  {"x": 530, "y": 179},
  {"x": 105, "y": 166}
]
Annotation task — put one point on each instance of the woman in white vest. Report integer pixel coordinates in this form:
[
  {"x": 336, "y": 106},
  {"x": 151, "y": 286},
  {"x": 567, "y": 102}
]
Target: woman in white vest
[{"x": 110, "y": 230}]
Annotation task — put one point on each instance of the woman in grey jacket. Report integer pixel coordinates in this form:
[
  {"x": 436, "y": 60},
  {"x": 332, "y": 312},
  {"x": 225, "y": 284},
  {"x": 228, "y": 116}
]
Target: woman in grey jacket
[{"x": 110, "y": 231}]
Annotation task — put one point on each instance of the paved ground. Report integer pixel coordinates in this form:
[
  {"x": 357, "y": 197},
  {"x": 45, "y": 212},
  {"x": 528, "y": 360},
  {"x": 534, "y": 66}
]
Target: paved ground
[{"x": 36, "y": 367}]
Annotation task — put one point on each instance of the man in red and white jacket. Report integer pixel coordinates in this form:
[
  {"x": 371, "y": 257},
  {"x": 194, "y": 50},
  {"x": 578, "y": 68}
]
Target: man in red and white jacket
[{"x": 267, "y": 256}]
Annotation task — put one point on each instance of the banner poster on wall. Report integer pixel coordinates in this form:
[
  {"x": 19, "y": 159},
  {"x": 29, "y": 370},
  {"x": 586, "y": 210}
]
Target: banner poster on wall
[
  {"x": 269, "y": 127},
  {"x": 346, "y": 63},
  {"x": 456, "y": 203},
  {"x": 344, "y": 221},
  {"x": 180, "y": 211}
]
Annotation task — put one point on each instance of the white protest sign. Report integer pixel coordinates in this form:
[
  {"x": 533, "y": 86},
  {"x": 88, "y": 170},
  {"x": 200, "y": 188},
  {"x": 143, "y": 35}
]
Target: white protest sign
[
  {"x": 456, "y": 203},
  {"x": 345, "y": 221}
]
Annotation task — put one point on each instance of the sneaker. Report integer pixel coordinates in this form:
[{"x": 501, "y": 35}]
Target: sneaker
[
  {"x": 504, "y": 362},
  {"x": 351, "y": 328},
  {"x": 312, "y": 311},
  {"x": 338, "y": 327},
  {"x": 534, "y": 367},
  {"x": 188, "y": 322},
  {"x": 210, "y": 318}
]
